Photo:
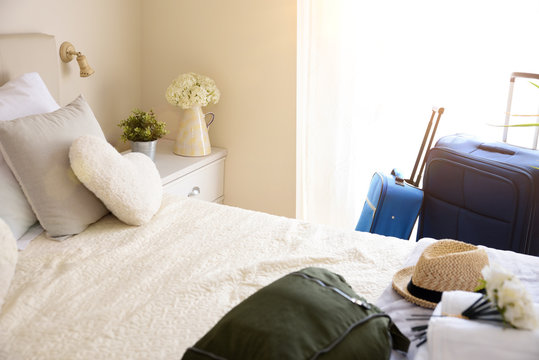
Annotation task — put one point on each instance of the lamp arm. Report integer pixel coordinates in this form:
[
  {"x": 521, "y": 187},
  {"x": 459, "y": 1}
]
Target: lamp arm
[{"x": 74, "y": 53}]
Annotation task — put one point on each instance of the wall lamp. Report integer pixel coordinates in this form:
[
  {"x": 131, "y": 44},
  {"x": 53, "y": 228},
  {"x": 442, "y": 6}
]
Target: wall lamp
[{"x": 67, "y": 52}]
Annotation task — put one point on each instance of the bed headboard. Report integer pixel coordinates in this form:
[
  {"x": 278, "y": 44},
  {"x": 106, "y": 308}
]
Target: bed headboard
[{"x": 22, "y": 53}]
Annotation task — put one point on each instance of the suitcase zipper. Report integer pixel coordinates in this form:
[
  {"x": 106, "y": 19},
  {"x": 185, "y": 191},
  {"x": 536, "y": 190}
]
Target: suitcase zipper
[
  {"x": 516, "y": 169},
  {"x": 499, "y": 164},
  {"x": 370, "y": 205},
  {"x": 383, "y": 189},
  {"x": 334, "y": 289}
]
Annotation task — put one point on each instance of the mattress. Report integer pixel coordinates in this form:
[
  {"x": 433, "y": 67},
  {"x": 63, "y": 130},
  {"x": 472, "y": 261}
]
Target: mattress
[{"x": 124, "y": 292}]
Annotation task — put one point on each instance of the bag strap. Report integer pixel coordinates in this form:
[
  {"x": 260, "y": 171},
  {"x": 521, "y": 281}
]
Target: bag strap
[
  {"x": 415, "y": 181},
  {"x": 400, "y": 341},
  {"x": 358, "y": 323}
]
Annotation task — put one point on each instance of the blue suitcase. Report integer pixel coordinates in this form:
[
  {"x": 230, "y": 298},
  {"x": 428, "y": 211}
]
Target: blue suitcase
[
  {"x": 393, "y": 203},
  {"x": 391, "y": 207},
  {"x": 482, "y": 193}
]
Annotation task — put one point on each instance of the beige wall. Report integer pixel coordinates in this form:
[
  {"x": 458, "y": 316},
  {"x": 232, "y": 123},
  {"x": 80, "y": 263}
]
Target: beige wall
[
  {"x": 249, "y": 48},
  {"x": 108, "y": 32},
  {"x": 138, "y": 46}
]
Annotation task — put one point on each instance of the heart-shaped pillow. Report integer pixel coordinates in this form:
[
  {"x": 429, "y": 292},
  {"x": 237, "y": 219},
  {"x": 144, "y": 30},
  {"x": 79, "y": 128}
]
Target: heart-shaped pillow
[{"x": 129, "y": 185}]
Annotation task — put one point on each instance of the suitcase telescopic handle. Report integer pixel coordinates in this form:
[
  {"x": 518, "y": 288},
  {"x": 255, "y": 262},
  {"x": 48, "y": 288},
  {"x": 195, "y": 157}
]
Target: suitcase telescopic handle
[
  {"x": 413, "y": 180},
  {"x": 523, "y": 75},
  {"x": 515, "y": 75}
]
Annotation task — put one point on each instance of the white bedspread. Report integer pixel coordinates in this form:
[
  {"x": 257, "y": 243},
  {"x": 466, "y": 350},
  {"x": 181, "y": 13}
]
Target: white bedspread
[{"x": 122, "y": 292}]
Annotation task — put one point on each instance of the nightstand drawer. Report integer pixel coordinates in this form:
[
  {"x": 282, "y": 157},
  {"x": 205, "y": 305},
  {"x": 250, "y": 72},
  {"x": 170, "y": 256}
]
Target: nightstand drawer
[{"x": 205, "y": 183}]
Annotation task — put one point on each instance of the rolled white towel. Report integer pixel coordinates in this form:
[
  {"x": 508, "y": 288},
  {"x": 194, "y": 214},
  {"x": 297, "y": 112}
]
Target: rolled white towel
[
  {"x": 455, "y": 338},
  {"x": 455, "y": 302}
]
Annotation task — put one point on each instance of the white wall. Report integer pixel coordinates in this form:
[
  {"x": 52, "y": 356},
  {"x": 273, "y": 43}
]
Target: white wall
[
  {"x": 249, "y": 48},
  {"x": 107, "y": 32},
  {"x": 138, "y": 46}
]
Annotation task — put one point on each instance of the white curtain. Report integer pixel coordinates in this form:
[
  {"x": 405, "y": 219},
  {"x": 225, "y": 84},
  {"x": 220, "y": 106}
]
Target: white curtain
[{"x": 369, "y": 73}]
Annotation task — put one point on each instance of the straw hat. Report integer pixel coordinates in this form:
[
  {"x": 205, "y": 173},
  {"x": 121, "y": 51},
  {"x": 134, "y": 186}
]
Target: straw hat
[{"x": 443, "y": 266}]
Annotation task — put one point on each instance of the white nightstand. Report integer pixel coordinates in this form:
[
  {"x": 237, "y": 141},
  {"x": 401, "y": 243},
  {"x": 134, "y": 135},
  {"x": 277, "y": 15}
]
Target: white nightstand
[{"x": 199, "y": 177}]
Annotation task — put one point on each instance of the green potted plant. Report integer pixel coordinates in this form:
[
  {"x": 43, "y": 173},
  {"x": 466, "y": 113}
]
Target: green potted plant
[{"x": 143, "y": 130}]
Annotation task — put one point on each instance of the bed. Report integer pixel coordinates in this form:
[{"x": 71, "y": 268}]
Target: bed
[
  {"x": 119, "y": 291},
  {"x": 150, "y": 291}
]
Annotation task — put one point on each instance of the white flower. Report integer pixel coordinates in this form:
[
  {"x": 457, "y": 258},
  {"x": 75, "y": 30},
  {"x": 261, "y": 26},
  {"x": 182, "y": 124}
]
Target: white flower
[
  {"x": 515, "y": 303},
  {"x": 495, "y": 275},
  {"x": 510, "y": 297},
  {"x": 192, "y": 89}
]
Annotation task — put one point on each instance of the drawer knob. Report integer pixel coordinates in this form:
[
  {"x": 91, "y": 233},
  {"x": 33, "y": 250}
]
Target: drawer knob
[{"x": 194, "y": 192}]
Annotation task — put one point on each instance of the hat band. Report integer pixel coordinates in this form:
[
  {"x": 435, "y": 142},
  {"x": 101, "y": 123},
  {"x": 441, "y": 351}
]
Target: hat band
[{"x": 422, "y": 293}]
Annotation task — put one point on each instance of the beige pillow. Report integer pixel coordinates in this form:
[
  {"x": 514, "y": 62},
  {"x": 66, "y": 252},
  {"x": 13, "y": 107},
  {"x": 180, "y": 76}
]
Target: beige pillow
[
  {"x": 8, "y": 259},
  {"x": 129, "y": 185},
  {"x": 36, "y": 149},
  {"x": 22, "y": 96}
]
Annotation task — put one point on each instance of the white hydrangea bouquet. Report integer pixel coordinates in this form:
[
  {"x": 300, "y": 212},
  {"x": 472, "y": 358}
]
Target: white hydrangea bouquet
[
  {"x": 507, "y": 294},
  {"x": 191, "y": 89}
]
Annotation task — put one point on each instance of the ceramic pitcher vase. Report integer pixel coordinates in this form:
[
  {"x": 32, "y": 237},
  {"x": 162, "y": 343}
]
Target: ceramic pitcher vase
[{"x": 192, "y": 138}]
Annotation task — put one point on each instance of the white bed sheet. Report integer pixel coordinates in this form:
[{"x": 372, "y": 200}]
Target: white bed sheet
[{"x": 122, "y": 292}]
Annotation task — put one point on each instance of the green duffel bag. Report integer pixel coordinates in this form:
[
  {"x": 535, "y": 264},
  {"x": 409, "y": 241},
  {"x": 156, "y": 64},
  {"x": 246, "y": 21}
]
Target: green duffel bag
[{"x": 309, "y": 314}]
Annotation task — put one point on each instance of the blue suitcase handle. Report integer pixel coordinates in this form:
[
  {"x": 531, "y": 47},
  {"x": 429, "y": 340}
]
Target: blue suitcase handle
[{"x": 399, "y": 177}]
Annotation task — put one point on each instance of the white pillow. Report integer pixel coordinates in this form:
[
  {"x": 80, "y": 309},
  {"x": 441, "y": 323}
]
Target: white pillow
[
  {"x": 129, "y": 185},
  {"x": 23, "y": 96},
  {"x": 8, "y": 259}
]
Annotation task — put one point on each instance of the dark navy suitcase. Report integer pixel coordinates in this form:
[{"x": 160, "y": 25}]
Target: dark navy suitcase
[
  {"x": 393, "y": 203},
  {"x": 482, "y": 193}
]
